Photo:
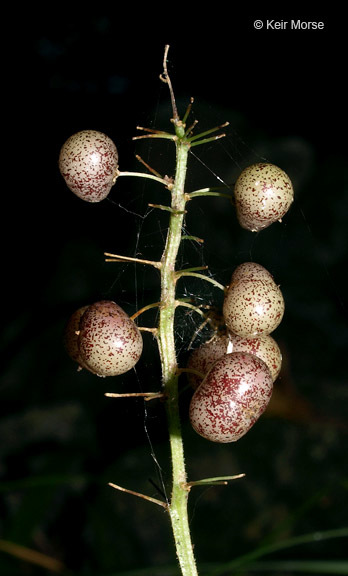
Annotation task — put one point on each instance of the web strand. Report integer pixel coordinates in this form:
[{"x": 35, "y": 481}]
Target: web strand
[{"x": 218, "y": 178}]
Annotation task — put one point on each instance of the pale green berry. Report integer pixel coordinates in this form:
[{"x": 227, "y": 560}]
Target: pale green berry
[
  {"x": 253, "y": 307},
  {"x": 88, "y": 162},
  {"x": 251, "y": 271},
  {"x": 263, "y": 194},
  {"x": 264, "y": 347}
]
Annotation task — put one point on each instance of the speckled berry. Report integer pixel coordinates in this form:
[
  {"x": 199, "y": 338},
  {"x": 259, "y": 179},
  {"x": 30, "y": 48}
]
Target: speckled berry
[
  {"x": 109, "y": 342},
  {"x": 263, "y": 194},
  {"x": 202, "y": 358},
  {"x": 251, "y": 271},
  {"x": 264, "y": 347},
  {"x": 88, "y": 162},
  {"x": 231, "y": 398},
  {"x": 71, "y": 334},
  {"x": 253, "y": 307}
]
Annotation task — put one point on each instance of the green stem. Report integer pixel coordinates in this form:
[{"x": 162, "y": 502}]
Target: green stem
[
  {"x": 166, "y": 342},
  {"x": 208, "y": 192},
  {"x": 193, "y": 138},
  {"x": 207, "y": 278},
  {"x": 143, "y": 175},
  {"x": 182, "y": 302}
]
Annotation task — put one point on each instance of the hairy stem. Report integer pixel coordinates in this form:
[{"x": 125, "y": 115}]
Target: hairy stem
[{"x": 178, "y": 503}]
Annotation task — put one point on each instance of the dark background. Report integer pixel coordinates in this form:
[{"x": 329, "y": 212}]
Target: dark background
[{"x": 62, "y": 441}]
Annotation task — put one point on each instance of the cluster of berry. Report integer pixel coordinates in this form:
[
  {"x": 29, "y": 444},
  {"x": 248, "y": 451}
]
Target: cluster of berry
[{"x": 238, "y": 367}]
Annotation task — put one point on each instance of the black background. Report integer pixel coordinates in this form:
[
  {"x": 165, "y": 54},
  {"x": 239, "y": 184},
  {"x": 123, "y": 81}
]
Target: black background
[{"x": 283, "y": 93}]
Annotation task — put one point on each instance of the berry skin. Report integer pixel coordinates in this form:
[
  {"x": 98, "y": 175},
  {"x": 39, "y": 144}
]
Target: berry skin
[
  {"x": 109, "y": 342},
  {"x": 71, "y": 335},
  {"x": 251, "y": 271},
  {"x": 231, "y": 398},
  {"x": 263, "y": 194},
  {"x": 88, "y": 162},
  {"x": 264, "y": 347},
  {"x": 202, "y": 358},
  {"x": 253, "y": 307}
]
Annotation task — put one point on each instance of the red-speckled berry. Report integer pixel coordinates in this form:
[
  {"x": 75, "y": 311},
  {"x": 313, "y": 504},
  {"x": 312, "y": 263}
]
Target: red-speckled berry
[
  {"x": 251, "y": 271},
  {"x": 231, "y": 398},
  {"x": 109, "y": 342},
  {"x": 71, "y": 334},
  {"x": 202, "y": 358},
  {"x": 264, "y": 347},
  {"x": 88, "y": 162},
  {"x": 253, "y": 307},
  {"x": 263, "y": 194}
]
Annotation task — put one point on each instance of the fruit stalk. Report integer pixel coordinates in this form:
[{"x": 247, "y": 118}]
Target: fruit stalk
[{"x": 178, "y": 503}]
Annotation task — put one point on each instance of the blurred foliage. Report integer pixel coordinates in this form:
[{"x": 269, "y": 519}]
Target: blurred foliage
[{"x": 62, "y": 440}]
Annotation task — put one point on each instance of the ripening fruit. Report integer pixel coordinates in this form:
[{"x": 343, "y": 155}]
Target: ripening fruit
[
  {"x": 253, "y": 307},
  {"x": 202, "y": 358},
  {"x": 109, "y": 342},
  {"x": 88, "y": 162},
  {"x": 233, "y": 395},
  {"x": 251, "y": 271},
  {"x": 263, "y": 194},
  {"x": 264, "y": 347},
  {"x": 71, "y": 334}
]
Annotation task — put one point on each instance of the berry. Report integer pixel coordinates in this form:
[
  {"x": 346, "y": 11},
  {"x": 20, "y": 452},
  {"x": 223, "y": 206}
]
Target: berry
[
  {"x": 88, "y": 162},
  {"x": 250, "y": 271},
  {"x": 109, "y": 342},
  {"x": 264, "y": 347},
  {"x": 202, "y": 358},
  {"x": 263, "y": 194},
  {"x": 253, "y": 306},
  {"x": 231, "y": 398},
  {"x": 71, "y": 335}
]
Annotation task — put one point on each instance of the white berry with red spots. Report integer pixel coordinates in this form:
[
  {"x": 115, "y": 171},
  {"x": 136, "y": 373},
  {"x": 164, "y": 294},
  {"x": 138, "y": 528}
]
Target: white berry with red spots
[
  {"x": 109, "y": 342},
  {"x": 88, "y": 162},
  {"x": 231, "y": 398},
  {"x": 253, "y": 307},
  {"x": 264, "y": 347},
  {"x": 202, "y": 358},
  {"x": 263, "y": 194},
  {"x": 251, "y": 271}
]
